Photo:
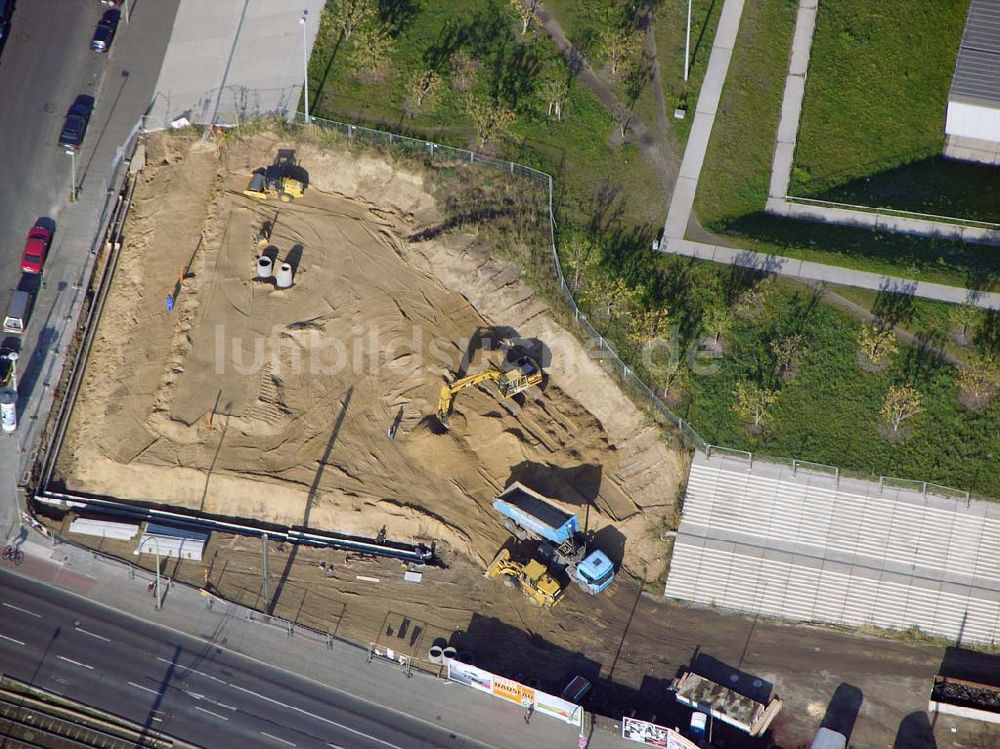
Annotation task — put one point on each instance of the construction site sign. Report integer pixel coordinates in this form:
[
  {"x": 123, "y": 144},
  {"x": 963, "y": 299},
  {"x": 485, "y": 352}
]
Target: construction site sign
[
  {"x": 515, "y": 692},
  {"x": 650, "y": 734}
]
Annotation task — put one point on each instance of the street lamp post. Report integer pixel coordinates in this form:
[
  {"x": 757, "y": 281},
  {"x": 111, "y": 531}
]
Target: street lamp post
[
  {"x": 126, "y": 10},
  {"x": 305, "y": 67},
  {"x": 159, "y": 602},
  {"x": 72, "y": 185},
  {"x": 687, "y": 44}
]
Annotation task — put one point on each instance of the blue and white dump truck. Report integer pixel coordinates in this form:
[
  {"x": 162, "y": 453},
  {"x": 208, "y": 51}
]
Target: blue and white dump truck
[{"x": 529, "y": 515}]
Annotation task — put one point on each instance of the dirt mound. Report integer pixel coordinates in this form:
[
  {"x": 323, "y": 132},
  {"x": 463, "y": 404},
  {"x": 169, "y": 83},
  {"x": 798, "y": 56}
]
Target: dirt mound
[{"x": 258, "y": 402}]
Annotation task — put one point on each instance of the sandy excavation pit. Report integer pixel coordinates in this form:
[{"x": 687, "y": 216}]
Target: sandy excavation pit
[{"x": 273, "y": 404}]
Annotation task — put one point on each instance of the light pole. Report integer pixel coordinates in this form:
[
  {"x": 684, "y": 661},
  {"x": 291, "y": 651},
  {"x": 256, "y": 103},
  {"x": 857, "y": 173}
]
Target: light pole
[
  {"x": 305, "y": 67},
  {"x": 126, "y": 10},
  {"x": 687, "y": 44},
  {"x": 72, "y": 185},
  {"x": 156, "y": 541}
]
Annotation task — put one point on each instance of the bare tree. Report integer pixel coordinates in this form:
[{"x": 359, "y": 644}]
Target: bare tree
[
  {"x": 875, "y": 345},
  {"x": 648, "y": 325},
  {"x": 786, "y": 351},
  {"x": 750, "y": 303},
  {"x": 752, "y": 403},
  {"x": 718, "y": 321},
  {"x": 554, "y": 92},
  {"x": 424, "y": 89},
  {"x": 525, "y": 12},
  {"x": 582, "y": 253},
  {"x": 464, "y": 69},
  {"x": 963, "y": 318},
  {"x": 491, "y": 117},
  {"x": 350, "y": 15},
  {"x": 901, "y": 402}
]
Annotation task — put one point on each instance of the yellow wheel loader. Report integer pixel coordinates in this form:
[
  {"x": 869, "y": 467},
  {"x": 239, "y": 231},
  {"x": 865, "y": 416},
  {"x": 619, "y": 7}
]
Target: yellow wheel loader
[
  {"x": 508, "y": 384},
  {"x": 532, "y": 577},
  {"x": 284, "y": 179}
]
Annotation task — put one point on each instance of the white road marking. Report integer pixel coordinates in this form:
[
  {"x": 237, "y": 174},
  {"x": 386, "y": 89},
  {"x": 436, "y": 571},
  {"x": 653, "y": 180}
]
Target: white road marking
[
  {"x": 23, "y": 611},
  {"x": 216, "y": 715},
  {"x": 192, "y": 670},
  {"x": 334, "y": 746},
  {"x": 193, "y": 695},
  {"x": 10, "y": 639},
  {"x": 276, "y": 738},
  {"x": 92, "y": 634},
  {"x": 75, "y": 663},
  {"x": 376, "y": 739},
  {"x": 144, "y": 689}
]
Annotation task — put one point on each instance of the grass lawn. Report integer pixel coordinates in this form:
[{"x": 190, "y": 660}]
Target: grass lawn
[
  {"x": 734, "y": 181},
  {"x": 582, "y": 23},
  {"x": 877, "y": 88},
  {"x": 829, "y": 411},
  {"x": 577, "y": 150}
]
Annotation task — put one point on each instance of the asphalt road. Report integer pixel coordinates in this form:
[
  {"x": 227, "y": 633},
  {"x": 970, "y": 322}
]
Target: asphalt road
[{"x": 169, "y": 682}]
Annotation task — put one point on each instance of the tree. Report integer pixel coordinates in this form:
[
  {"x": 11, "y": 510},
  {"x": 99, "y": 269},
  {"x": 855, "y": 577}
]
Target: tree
[
  {"x": 582, "y": 253},
  {"x": 749, "y": 303},
  {"x": 648, "y": 325},
  {"x": 351, "y": 15},
  {"x": 962, "y": 318},
  {"x": 464, "y": 69},
  {"x": 901, "y": 403},
  {"x": 615, "y": 297},
  {"x": 372, "y": 46},
  {"x": 751, "y": 402},
  {"x": 424, "y": 89},
  {"x": 786, "y": 351},
  {"x": 876, "y": 344},
  {"x": 618, "y": 46},
  {"x": 718, "y": 322},
  {"x": 978, "y": 380},
  {"x": 554, "y": 92},
  {"x": 491, "y": 117},
  {"x": 525, "y": 12}
]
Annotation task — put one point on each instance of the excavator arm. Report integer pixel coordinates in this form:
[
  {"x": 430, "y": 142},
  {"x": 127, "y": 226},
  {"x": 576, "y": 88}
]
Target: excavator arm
[{"x": 448, "y": 391}]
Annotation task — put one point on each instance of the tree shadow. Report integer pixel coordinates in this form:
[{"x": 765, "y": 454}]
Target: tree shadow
[
  {"x": 894, "y": 303},
  {"x": 398, "y": 14},
  {"x": 515, "y": 72}
]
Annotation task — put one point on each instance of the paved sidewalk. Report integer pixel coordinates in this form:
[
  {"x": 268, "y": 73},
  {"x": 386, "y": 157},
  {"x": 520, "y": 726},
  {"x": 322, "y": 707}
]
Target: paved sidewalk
[
  {"x": 337, "y": 665},
  {"x": 682, "y": 200}
]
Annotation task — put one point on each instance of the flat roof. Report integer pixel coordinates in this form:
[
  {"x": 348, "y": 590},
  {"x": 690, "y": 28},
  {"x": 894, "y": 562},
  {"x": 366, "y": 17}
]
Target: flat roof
[{"x": 977, "y": 70}]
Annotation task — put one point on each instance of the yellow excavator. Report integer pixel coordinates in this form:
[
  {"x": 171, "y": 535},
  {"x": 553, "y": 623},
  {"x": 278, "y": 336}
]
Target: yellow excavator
[
  {"x": 523, "y": 376},
  {"x": 532, "y": 577},
  {"x": 277, "y": 180}
]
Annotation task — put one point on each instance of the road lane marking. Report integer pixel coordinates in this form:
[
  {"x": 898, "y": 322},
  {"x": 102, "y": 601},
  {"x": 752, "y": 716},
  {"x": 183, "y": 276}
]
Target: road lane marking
[
  {"x": 216, "y": 715},
  {"x": 23, "y": 611},
  {"x": 92, "y": 634},
  {"x": 10, "y": 639},
  {"x": 75, "y": 663},
  {"x": 192, "y": 670},
  {"x": 376, "y": 739},
  {"x": 276, "y": 738},
  {"x": 144, "y": 689}
]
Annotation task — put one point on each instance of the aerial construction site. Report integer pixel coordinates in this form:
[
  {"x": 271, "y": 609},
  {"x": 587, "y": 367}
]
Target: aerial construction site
[{"x": 337, "y": 402}]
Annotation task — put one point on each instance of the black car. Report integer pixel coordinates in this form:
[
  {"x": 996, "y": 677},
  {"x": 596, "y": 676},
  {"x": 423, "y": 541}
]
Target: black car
[
  {"x": 75, "y": 126},
  {"x": 105, "y": 31}
]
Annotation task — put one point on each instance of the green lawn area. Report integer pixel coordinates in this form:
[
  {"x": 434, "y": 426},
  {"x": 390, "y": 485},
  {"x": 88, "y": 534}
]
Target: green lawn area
[
  {"x": 577, "y": 151},
  {"x": 829, "y": 412},
  {"x": 583, "y": 22},
  {"x": 877, "y": 88},
  {"x": 872, "y": 126},
  {"x": 734, "y": 181}
]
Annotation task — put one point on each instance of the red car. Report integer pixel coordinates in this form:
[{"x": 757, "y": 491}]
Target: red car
[{"x": 35, "y": 249}]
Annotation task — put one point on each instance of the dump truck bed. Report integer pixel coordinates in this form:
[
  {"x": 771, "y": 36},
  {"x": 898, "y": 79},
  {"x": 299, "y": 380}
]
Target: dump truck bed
[{"x": 535, "y": 514}]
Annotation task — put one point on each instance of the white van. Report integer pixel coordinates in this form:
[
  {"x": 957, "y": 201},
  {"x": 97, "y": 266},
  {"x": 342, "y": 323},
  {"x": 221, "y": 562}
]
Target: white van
[
  {"x": 17, "y": 312},
  {"x": 829, "y": 739}
]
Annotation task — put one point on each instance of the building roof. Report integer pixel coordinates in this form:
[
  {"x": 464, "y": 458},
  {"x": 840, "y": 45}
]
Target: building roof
[
  {"x": 977, "y": 71},
  {"x": 804, "y": 546}
]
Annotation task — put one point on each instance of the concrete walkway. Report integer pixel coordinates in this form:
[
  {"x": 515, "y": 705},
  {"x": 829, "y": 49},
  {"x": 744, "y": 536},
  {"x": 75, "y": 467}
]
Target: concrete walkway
[
  {"x": 781, "y": 204},
  {"x": 682, "y": 202}
]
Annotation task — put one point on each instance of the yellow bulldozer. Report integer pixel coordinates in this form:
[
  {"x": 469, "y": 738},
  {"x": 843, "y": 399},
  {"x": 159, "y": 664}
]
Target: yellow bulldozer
[
  {"x": 279, "y": 180},
  {"x": 531, "y": 576},
  {"x": 508, "y": 383}
]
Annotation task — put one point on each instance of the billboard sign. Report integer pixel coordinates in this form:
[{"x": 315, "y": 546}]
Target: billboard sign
[
  {"x": 471, "y": 676},
  {"x": 650, "y": 734}
]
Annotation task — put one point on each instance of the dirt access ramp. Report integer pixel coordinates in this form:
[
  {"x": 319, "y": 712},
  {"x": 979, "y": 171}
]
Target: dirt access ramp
[{"x": 256, "y": 402}]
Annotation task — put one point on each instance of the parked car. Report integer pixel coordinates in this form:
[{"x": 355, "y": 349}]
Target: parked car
[
  {"x": 35, "y": 249},
  {"x": 104, "y": 34},
  {"x": 75, "y": 126}
]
